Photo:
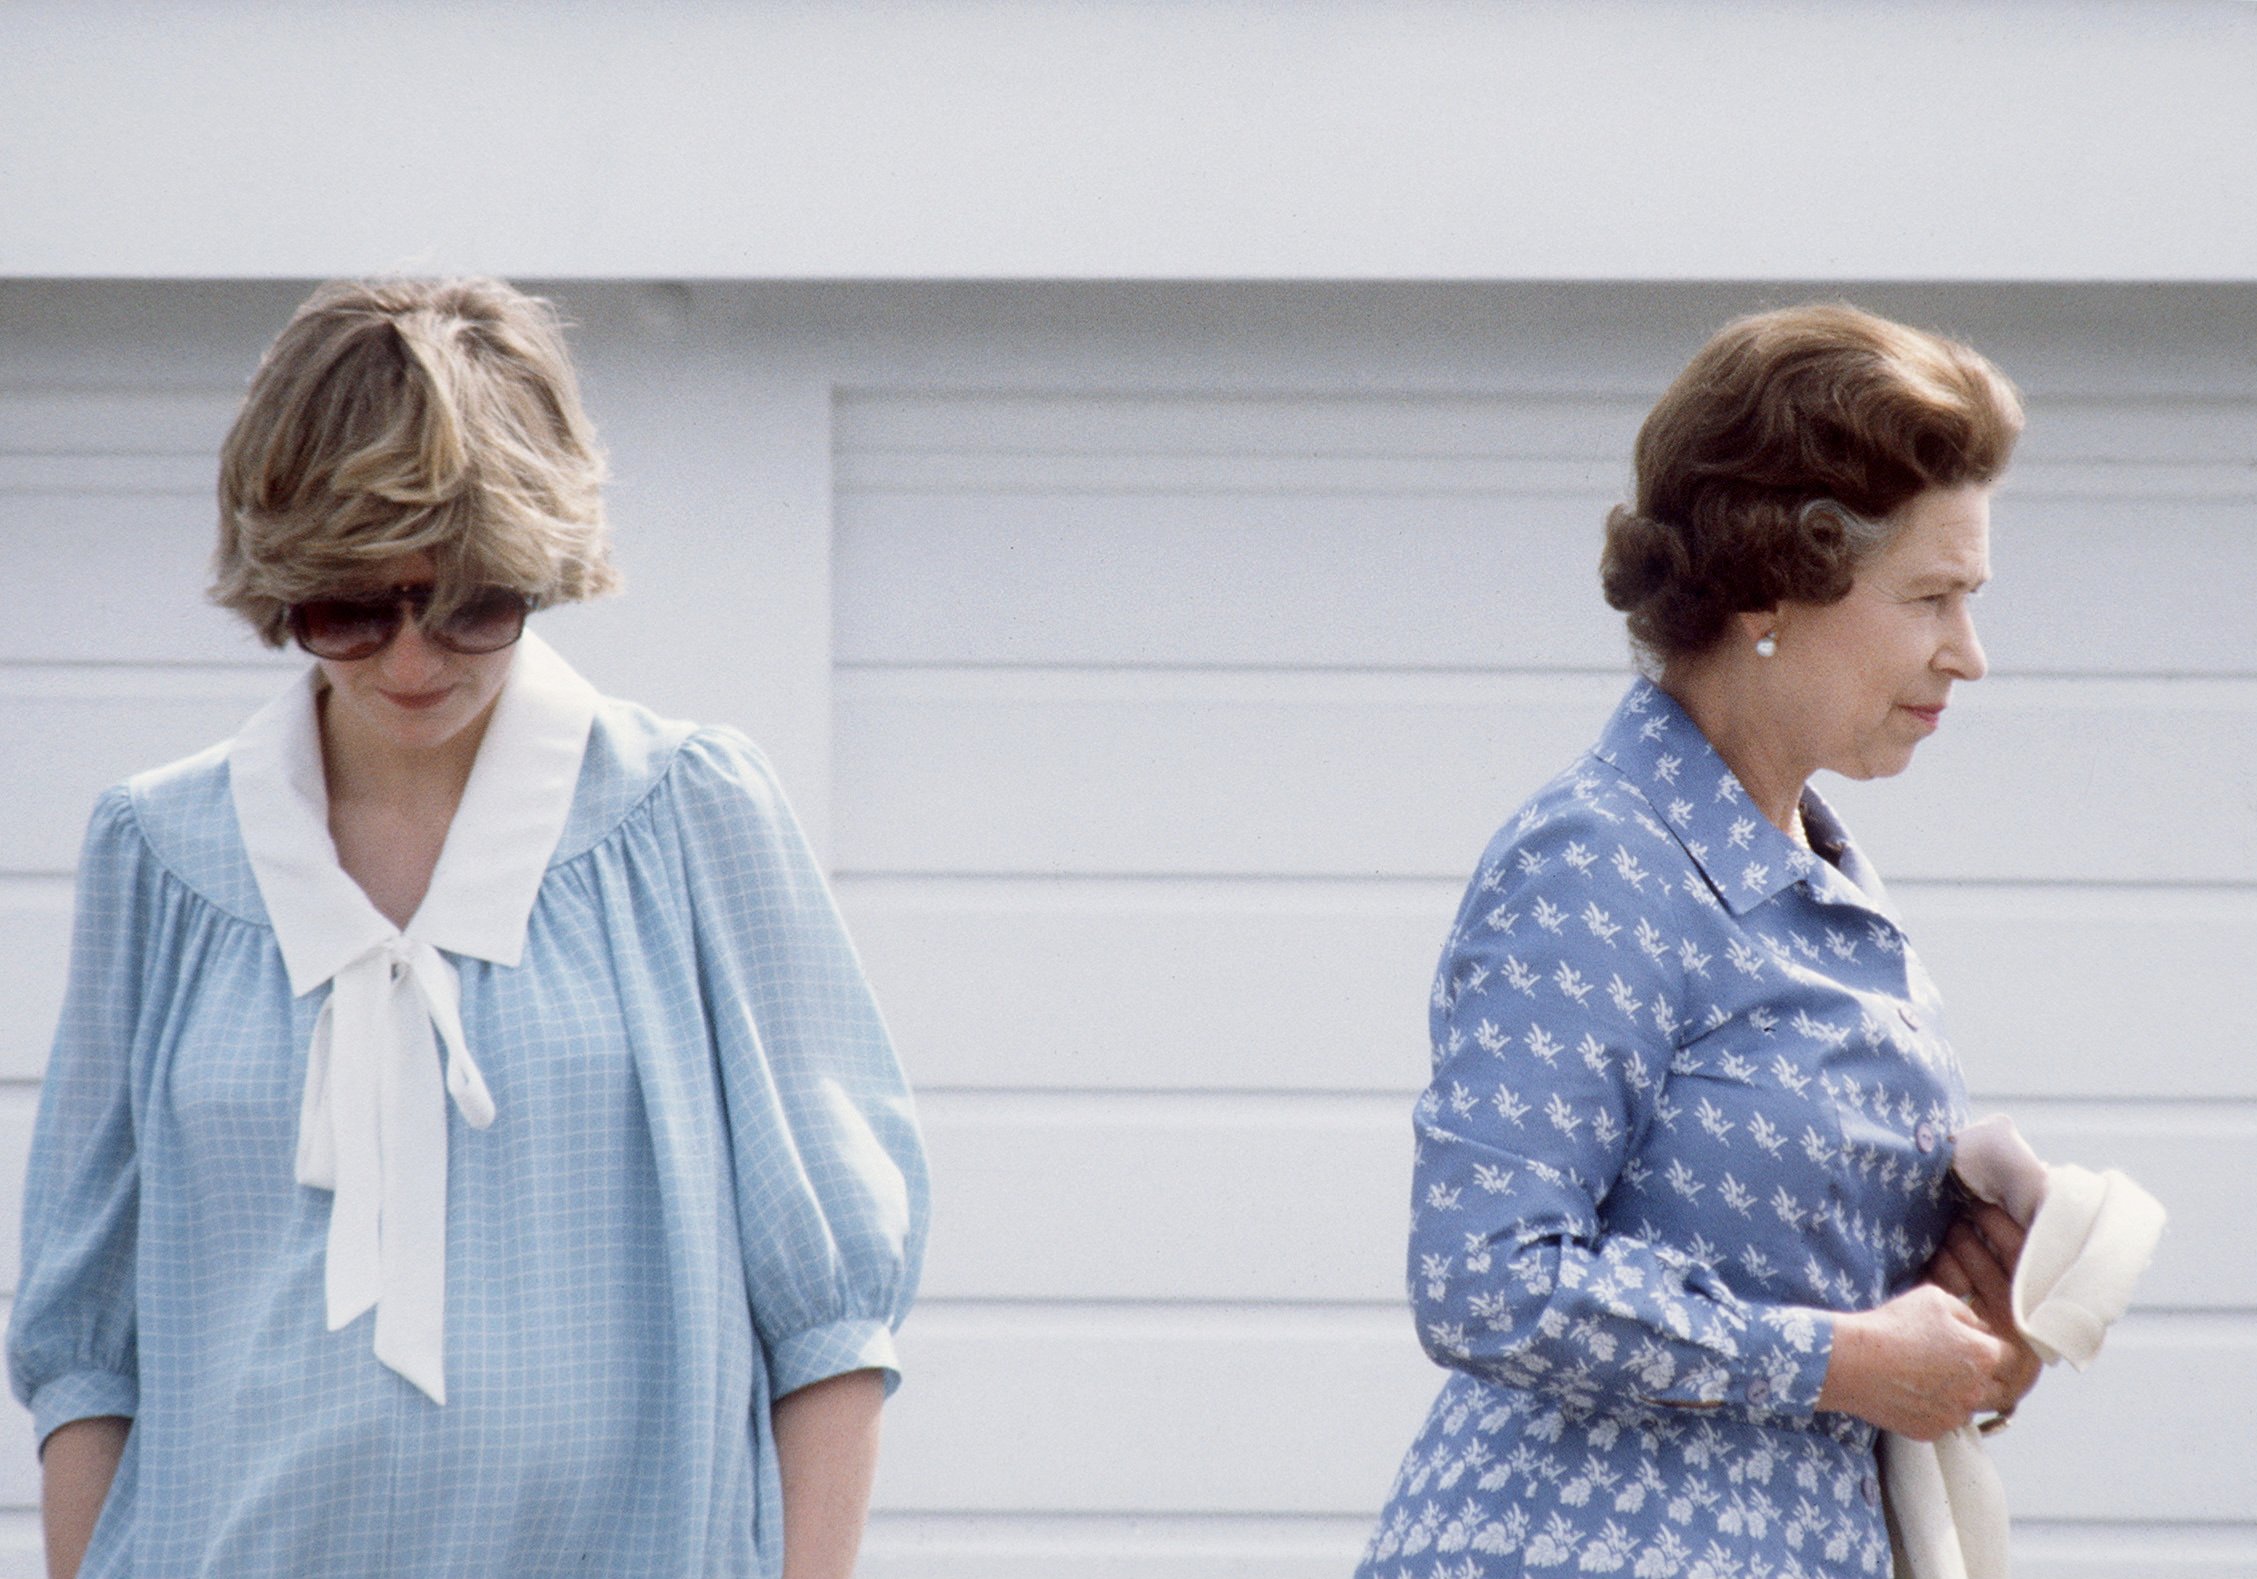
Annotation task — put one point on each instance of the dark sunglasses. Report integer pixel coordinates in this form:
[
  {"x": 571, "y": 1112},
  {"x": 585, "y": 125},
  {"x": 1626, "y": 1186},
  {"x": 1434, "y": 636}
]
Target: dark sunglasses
[{"x": 344, "y": 629}]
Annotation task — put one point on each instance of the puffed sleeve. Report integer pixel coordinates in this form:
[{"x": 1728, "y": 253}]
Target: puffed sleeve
[
  {"x": 1557, "y": 1010},
  {"x": 71, "y": 1349},
  {"x": 830, "y": 1171}
]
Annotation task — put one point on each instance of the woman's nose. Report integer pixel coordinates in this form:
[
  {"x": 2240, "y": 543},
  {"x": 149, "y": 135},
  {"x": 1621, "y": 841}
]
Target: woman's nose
[
  {"x": 1962, "y": 656},
  {"x": 410, "y": 656}
]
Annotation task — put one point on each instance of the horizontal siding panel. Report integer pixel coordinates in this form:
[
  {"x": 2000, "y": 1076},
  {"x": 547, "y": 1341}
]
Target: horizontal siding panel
[
  {"x": 1479, "y": 580},
  {"x": 35, "y": 938},
  {"x": 1126, "y": 1411},
  {"x": 913, "y": 1546},
  {"x": 925, "y": 1547},
  {"x": 909, "y": 1546},
  {"x": 1115, "y": 1412},
  {"x": 1456, "y": 581},
  {"x": 19, "y": 1454},
  {"x": 2196, "y": 430},
  {"x": 2085, "y": 1549},
  {"x": 1322, "y": 775},
  {"x": 2134, "y": 992},
  {"x": 2051, "y": 992},
  {"x": 23, "y": 1546},
  {"x": 1091, "y": 1415},
  {"x": 1144, "y": 1411},
  {"x": 1323, "y": 987},
  {"x": 1079, "y": 1198},
  {"x": 1560, "y": 423},
  {"x": 2094, "y": 585},
  {"x": 2066, "y": 1458},
  {"x": 1191, "y": 774},
  {"x": 119, "y": 421},
  {"x": 175, "y": 477},
  {"x": 128, "y": 591},
  {"x": 74, "y": 732},
  {"x": 1278, "y": 1200},
  {"x": 1143, "y": 986},
  {"x": 888, "y": 425},
  {"x": 943, "y": 472},
  {"x": 2075, "y": 781},
  {"x": 2136, "y": 483},
  {"x": 18, "y": 1106}
]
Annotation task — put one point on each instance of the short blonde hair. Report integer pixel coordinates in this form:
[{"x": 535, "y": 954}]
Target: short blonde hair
[
  {"x": 400, "y": 416},
  {"x": 1771, "y": 468}
]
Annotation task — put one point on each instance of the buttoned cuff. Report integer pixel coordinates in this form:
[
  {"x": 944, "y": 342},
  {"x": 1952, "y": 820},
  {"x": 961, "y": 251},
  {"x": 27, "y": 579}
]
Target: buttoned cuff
[
  {"x": 82, "y": 1395},
  {"x": 853, "y": 1344},
  {"x": 1787, "y": 1376}
]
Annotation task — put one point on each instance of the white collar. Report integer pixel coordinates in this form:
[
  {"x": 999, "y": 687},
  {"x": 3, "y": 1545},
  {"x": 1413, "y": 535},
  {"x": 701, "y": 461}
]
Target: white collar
[
  {"x": 505, "y": 831},
  {"x": 372, "y": 1123}
]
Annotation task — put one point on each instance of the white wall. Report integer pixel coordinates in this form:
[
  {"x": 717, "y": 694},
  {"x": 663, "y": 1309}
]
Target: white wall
[
  {"x": 1153, "y": 661},
  {"x": 1454, "y": 139}
]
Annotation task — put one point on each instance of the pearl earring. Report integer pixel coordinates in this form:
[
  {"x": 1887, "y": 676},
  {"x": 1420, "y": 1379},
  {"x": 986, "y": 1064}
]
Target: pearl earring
[{"x": 1767, "y": 644}]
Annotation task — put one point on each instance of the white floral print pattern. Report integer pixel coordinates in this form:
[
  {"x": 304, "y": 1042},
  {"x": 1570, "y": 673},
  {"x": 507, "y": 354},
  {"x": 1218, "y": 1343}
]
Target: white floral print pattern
[{"x": 1690, "y": 1097}]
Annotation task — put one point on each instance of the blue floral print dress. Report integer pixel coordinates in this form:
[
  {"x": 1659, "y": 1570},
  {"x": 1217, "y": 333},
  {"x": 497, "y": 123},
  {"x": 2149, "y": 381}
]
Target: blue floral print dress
[{"x": 1690, "y": 1098}]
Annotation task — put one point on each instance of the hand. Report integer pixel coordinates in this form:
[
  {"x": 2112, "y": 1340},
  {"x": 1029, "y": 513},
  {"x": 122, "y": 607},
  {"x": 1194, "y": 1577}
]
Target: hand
[
  {"x": 1976, "y": 1264},
  {"x": 1922, "y": 1365}
]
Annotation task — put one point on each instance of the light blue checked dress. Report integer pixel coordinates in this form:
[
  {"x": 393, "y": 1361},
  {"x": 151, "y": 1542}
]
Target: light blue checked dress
[
  {"x": 1690, "y": 1097},
  {"x": 703, "y": 1188}
]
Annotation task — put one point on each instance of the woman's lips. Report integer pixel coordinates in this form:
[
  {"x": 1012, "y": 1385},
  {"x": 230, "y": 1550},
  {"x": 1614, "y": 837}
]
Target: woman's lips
[
  {"x": 417, "y": 701},
  {"x": 1931, "y": 716}
]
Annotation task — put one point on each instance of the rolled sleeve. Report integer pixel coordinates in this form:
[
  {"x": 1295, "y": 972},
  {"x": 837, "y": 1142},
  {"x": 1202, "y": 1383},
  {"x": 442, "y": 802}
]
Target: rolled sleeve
[
  {"x": 857, "y": 1343},
  {"x": 82, "y": 1395}
]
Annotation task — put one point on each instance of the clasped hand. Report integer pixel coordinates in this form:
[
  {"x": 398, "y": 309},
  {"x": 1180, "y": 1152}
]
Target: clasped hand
[{"x": 1947, "y": 1349}]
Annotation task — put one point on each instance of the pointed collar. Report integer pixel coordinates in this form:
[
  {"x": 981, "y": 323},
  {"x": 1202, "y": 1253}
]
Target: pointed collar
[
  {"x": 1654, "y": 743},
  {"x": 497, "y": 848}
]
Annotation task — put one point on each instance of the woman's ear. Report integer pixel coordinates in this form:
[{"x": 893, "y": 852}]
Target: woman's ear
[{"x": 1751, "y": 628}]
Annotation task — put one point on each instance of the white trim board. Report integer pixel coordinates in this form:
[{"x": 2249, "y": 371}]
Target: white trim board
[{"x": 1021, "y": 139}]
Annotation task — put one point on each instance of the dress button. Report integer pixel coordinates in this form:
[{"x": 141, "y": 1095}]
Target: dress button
[
  {"x": 1759, "y": 1391},
  {"x": 1872, "y": 1490},
  {"x": 1911, "y": 1020},
  {"x": 1925, "y": 1136}
]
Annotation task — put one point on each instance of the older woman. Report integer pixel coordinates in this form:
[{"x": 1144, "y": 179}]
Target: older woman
[
  {"x": 469, "y": 1146},
  {"x": 1682, "y": 1230}
]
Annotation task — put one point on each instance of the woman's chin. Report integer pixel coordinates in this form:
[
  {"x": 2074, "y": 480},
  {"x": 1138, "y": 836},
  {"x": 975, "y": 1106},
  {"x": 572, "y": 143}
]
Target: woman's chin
[
  {"x": 421, "y": 729},
  {"x": 1875, "y": 765}
]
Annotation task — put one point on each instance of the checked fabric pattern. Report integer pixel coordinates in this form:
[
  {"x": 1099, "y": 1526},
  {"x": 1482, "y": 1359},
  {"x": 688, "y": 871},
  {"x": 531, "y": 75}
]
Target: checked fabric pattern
[{"x": 703, "y": 1189}]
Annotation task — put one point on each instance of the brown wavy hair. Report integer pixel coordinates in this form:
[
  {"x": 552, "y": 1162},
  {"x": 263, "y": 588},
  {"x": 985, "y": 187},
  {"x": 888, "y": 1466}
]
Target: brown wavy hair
[
  {"x": 411, "y": 415},
  {"x": 1772, "y": 467}
]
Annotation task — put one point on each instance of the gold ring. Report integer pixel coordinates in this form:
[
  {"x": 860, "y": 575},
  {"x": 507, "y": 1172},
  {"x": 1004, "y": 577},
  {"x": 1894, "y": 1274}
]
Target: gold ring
[{"x": 1998, "y": 1422}]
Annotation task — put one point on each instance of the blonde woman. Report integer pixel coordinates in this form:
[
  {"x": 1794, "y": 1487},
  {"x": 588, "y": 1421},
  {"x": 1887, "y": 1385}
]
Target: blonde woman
[{"x": 469, "y": 1147}]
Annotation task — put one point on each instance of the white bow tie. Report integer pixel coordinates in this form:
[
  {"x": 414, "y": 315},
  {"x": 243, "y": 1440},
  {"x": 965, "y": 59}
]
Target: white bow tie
[
  {"x": 373, "y": 1130},
  {"x": 373, "y": 1127}
]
